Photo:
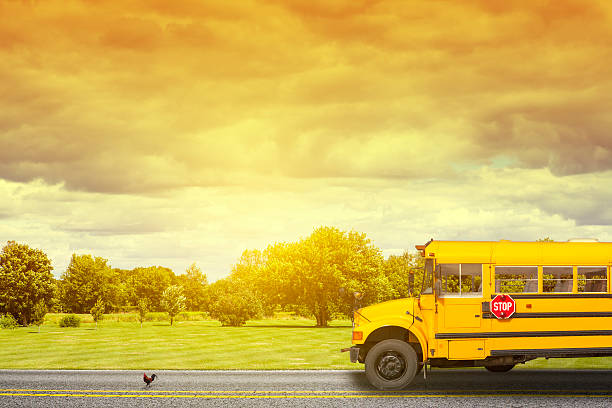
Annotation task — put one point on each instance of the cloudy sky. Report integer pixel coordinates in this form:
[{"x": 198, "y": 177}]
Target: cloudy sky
[{"x": 164, "y": 133}]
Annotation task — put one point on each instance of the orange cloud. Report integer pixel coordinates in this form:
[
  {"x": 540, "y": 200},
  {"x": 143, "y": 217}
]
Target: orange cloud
[{"x": 150, "y": 95}]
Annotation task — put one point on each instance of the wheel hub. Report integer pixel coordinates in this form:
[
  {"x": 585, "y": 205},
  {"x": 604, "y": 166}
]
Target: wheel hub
[{"x": 391, "y": 366}]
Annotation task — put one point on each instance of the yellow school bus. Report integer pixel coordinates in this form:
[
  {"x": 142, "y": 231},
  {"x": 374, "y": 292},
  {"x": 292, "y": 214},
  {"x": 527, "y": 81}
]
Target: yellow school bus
[{"x": 561, "y": 306}]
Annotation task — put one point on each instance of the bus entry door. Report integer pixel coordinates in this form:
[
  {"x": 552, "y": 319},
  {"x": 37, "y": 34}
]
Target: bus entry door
[{"x": 461, "y": 297}]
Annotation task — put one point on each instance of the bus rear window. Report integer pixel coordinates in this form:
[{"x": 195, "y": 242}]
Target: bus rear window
[
  {"x": 516, "y": 279},
  {"x": 592, "y": 279}
]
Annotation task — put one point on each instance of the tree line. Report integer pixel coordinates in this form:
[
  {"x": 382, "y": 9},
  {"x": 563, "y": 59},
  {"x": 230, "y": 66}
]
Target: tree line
[{"x": 320, "y": 276}]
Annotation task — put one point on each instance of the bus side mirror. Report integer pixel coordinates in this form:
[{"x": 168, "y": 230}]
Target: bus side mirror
[{"x": 357, "y": 302}]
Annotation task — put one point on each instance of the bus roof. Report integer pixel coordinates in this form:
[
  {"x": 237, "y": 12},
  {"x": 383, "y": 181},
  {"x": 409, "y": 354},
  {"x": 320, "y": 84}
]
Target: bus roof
[{"x": 521, "y": 253}]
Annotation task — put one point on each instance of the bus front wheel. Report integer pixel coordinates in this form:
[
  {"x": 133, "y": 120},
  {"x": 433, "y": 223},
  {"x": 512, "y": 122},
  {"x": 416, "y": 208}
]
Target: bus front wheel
[
  {"x": 391, "y": 365},
  {"x": 500, "y": 368}
]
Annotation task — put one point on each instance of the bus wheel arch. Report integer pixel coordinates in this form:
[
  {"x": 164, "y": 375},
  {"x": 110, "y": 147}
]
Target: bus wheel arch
[{"x": 395, "y": 333}]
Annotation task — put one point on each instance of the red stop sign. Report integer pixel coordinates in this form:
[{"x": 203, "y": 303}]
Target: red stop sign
[{"x": 503, "y": 306}]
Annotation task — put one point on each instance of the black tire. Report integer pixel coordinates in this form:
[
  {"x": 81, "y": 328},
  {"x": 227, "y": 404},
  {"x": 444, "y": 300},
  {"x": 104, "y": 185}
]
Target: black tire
[
  {"x": 500, "y": 368},
  {"x": 391, "y": 365}
]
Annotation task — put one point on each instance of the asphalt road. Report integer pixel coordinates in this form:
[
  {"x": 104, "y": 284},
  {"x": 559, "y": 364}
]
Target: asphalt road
[{"x": 472, "y": 387}]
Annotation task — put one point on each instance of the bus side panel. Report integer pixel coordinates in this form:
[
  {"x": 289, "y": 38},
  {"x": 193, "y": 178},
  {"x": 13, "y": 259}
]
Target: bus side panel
[
  {"x": 573, "y": 319},
  {"x": 550, "y": 346}
]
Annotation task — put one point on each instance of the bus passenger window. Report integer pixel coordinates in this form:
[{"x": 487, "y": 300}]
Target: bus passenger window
[
  {"x": 516, "y": 279},
  {"x": 450, "y": 278},
  {"x": 471, "y": 279},
  {"x": 558, "y": 278},
  {"x": 461, "y": 279},
  {"x": 592, "y": 279}
]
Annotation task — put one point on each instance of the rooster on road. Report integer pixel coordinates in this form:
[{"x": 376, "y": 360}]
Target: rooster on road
[{"x": 148, "y": 380}]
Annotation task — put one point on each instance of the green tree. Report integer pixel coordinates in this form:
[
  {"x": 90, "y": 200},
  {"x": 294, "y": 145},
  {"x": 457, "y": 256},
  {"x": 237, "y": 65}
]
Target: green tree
[
  {"x": 55, "y": 304},
  {"x": 97, "y": 311},
  {"x": 173, "y": 301},
  {"x": 328, "y": 260},
  {"x": 7, "y": 321},
  {"x": 194, "y": 284},
  {"x": 233, "y": 303},
  {"x": 316, "y": 276},
  {"x": 149, "y": 283},
  {"x": 143, "y": 309},
  {"x": 39, "y": 313},
  {"x": 86, "y": 280},
  {"x": 262, "y": 281},
  {"x": 121, "y": 294},
  {"x": 398, "y": 269},
  {"x": 25, "y": 280}
]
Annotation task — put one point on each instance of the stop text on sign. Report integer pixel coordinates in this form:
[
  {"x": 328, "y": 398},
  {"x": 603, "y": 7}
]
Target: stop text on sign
[{"x": 502, "y": 306}]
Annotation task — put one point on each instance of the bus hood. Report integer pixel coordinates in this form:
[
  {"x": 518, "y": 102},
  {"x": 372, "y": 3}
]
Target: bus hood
[{"x": 404, "y": 307}]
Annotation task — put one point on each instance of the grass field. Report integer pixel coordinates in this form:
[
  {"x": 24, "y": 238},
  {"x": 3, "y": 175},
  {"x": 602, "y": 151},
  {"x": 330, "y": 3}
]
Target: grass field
[
  {"x": 195, "y": 344},
  {"x": 204, "y": 344}
]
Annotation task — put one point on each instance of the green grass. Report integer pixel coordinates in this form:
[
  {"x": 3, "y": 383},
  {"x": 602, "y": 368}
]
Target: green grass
[
  {"x": 569, "y": 363},
  {"x": 195, "y": 343},
  {"x": 202, "y": 345}
]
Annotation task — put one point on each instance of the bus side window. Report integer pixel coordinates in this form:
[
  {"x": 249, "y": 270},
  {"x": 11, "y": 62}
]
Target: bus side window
[
  {"x": 450, "y": 279},
  {"x": 592, "y": 279},
  {"x": 461, "y": 279},
  {"x": 557, "y": 278},
  {"x": 516, "y": 279},
  {"x": 471, "y": 278}
]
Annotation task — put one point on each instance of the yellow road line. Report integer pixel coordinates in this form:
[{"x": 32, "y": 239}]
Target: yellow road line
[
  {"x": 432, "y": 390},
  {"x": 225, "y": 396},
  {"x": 213, "y": 391}
]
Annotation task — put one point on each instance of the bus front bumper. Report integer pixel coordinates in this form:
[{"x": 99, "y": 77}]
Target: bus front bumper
[{"x": 353, "y": 353}]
